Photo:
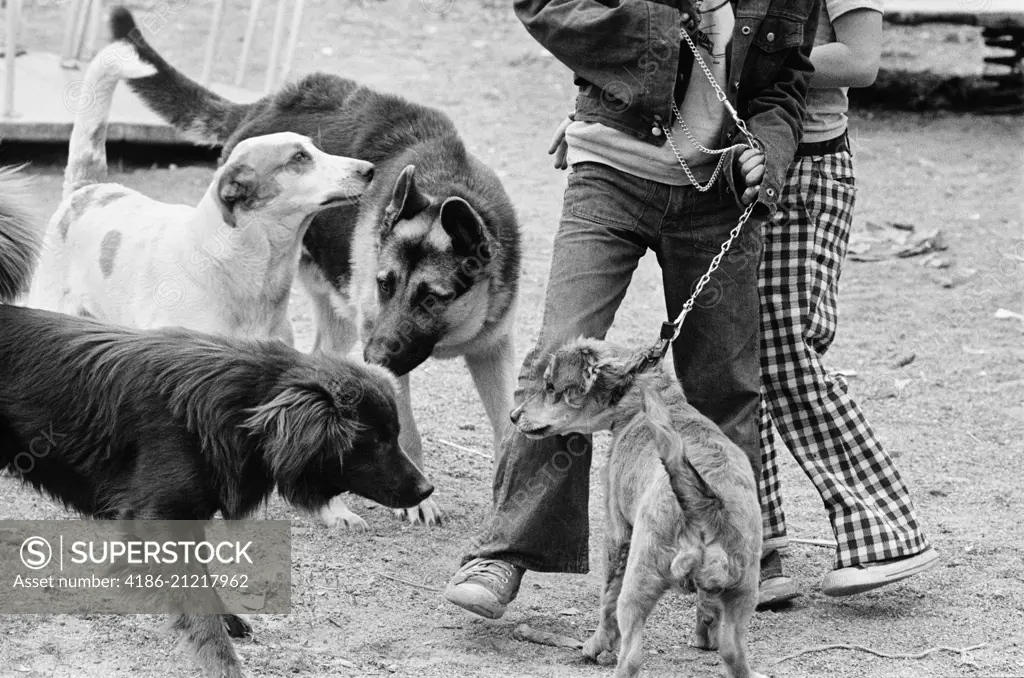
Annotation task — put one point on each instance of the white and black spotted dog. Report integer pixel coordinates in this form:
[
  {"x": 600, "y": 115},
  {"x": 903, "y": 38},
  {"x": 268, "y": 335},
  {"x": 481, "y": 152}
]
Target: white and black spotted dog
[{"x": 225, "y": 266}]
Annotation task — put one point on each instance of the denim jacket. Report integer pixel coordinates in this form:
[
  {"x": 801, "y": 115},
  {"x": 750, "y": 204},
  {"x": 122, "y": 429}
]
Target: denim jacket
[{"x": 627, "y": 57}]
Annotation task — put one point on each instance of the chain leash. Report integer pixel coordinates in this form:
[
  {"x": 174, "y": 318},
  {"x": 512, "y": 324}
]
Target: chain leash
[{"x": 670, "y": 330}]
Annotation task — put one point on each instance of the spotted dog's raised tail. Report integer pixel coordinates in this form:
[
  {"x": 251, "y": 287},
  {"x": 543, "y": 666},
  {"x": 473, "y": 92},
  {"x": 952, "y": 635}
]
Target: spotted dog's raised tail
[
  {"x": 20, "y": 234},
  {"x": 198, "y": 113},
  {"x": 92, "y": 97}
]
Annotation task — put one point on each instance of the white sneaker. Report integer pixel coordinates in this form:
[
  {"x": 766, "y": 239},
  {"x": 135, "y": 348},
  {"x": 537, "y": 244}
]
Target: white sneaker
[{"x": 847, "y": 581}]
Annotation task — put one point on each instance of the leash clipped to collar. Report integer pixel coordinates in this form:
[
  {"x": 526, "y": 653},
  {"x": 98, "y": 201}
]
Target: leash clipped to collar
[{"x": 655, "y": 354}]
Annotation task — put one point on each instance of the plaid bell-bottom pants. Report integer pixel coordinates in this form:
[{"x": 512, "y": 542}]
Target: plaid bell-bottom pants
[{"x": 810, "y": 409}]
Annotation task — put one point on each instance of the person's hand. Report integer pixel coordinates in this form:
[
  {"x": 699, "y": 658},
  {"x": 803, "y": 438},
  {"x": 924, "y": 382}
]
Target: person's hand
[
  {"x": 558, "y": 147},
  {"x": 750, "y": 165}
]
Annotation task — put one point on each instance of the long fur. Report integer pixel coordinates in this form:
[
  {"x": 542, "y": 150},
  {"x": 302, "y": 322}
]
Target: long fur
[
  {"x": 177, "y": 425},
  {"x": 21, "y": 234}
]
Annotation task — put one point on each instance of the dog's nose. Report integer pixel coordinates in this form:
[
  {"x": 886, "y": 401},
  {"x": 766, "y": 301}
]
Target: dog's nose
[
  {"x": 424, "y": 489},
  {"x": 367, "y": 173}
]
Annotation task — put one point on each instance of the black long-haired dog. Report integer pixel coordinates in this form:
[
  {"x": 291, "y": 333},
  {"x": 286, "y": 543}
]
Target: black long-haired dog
[{"x": 176, "y": 425}]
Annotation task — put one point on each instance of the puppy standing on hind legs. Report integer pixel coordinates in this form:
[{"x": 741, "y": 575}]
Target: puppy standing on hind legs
[{"x": 681, "y": 500}]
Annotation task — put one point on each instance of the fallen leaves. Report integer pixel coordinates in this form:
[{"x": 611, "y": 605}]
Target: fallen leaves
[
  {"x": 530, "y": 634},
  {"x": 933, "y": 241},
  {"x": 903, "y": 360},
  {"x": 880, "y": 241}
]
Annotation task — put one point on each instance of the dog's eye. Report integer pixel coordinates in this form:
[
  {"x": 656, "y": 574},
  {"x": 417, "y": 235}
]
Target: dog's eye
[
  {"x": 384, "y": 286},
  {"x": 301, "y": 156}
]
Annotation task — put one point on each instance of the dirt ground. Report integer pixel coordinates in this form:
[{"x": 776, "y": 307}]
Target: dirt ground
[{"x": 953, "y": 417}]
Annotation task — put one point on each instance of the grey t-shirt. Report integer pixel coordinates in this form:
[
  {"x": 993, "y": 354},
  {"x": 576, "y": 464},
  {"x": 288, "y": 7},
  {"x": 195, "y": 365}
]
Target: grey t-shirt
[
  {"x": 827, "y": 106},
  {"x": 703, "y": 112}
]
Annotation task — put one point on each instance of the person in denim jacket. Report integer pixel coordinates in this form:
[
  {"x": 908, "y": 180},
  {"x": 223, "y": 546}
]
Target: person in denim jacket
[{"x": 628, "y": 192}]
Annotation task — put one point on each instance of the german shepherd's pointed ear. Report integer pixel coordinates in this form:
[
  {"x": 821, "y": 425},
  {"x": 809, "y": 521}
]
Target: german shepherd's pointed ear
[
  {"x": 466, "y": 228},
  {"x": 298, "y": 425},
  {"x": 238, "y": 184},
  {"x": 406, "y": 199}
]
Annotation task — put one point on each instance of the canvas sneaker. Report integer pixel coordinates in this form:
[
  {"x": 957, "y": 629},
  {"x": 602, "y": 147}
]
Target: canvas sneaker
[
  {"x": 485, "y": 586},
  {"x": 776, "y": 588},
  {"x": 847, "y": 581}
]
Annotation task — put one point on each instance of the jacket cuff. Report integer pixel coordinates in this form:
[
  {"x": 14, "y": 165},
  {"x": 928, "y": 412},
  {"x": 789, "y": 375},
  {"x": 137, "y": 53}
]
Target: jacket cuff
[
  {"x": 774, "y": 178},
  {"x": 771, "y": 184}
]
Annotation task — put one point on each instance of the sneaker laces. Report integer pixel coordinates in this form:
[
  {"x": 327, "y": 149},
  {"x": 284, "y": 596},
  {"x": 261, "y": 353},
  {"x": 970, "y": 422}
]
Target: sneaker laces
[{"x": 496, "y": 572}]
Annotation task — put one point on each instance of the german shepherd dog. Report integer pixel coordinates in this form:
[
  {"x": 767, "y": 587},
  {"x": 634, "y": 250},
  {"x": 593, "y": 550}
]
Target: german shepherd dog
[
  {"x": 427, "y": 264},
  {"x": 681, "y": 501},
  {"x": 172, "y": 424}
]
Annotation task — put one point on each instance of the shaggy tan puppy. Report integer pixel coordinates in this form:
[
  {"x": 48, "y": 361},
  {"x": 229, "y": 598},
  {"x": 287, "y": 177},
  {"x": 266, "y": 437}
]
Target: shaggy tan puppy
[{"x": 681, "y": 501}]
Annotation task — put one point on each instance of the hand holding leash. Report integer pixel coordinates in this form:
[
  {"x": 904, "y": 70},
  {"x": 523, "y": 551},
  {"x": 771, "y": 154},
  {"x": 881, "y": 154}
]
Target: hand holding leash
[{"x": 750, "y": 165}]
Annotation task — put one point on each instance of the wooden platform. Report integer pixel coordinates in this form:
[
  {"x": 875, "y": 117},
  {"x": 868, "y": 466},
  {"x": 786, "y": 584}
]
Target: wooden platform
[
  {"x": 985, "y": 13},
  {"x": 41, "y": 114}
]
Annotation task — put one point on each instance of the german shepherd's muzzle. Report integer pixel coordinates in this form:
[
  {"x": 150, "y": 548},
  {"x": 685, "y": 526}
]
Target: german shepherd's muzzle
[{"x": 401, "y": 343}]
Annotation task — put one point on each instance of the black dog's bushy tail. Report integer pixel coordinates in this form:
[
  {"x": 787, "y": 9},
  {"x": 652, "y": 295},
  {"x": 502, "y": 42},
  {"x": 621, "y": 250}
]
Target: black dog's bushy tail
[
  {"x": 20, "y": 234},
  {"x": 199, "y": 114}
]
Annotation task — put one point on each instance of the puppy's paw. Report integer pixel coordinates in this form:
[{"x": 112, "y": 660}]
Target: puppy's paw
[
  {"x": 598, "y": 643},
  {"x": 336, "y": 514},
  {"x": 236, "y": 626},
  {"x": 427, "y": 513}
]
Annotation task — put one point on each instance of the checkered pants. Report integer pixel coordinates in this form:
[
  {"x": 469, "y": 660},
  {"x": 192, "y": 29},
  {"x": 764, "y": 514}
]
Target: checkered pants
[{"x": 810, "y": 409}]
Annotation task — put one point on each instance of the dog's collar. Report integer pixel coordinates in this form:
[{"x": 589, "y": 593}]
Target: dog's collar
[{"x": 649, "y": 358}]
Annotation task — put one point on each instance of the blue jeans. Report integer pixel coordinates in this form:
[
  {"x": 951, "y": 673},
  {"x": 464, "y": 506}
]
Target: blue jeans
[{"x": 609, "y": 219}]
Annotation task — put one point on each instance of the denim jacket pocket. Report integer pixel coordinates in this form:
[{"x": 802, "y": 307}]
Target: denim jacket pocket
[{"x": 777, "y": 33}]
